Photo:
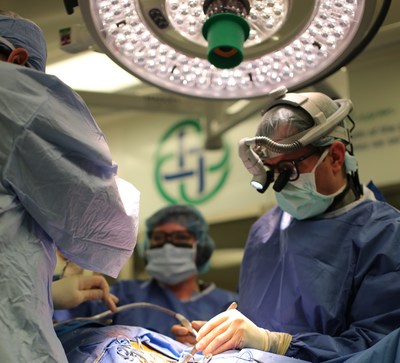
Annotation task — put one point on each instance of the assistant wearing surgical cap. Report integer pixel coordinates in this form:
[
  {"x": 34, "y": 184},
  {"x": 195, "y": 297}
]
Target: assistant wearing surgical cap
[
  {"x": 205, "y": 301},
  {"x": 23, "y": 33},
  {"x": 191, "y": 219}
]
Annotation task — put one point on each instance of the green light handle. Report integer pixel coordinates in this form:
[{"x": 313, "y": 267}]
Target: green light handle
[{"x": 225, "y": 34}]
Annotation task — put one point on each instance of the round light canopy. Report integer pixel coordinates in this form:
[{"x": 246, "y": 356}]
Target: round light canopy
[{"x": 290, "y": 42}]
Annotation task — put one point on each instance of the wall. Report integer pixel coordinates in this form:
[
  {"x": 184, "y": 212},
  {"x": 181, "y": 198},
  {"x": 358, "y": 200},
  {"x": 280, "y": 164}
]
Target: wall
[{"x": 375, "y": 92}]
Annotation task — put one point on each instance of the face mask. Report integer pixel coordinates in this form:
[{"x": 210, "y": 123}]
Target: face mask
[
  {"x": 171, "y": 265},
  {"x": 300, "y": 198}
]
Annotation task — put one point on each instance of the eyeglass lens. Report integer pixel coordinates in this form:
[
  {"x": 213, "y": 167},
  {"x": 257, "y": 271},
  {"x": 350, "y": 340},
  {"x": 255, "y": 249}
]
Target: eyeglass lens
[
  {"x": 178, "y": 238},
  {"x": 290, "y": 167}
]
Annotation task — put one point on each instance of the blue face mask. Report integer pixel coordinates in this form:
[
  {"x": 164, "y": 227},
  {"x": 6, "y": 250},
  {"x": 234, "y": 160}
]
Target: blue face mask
[
  {"x": 171, "y": 265},
  {"x": 300, "y": 198}
]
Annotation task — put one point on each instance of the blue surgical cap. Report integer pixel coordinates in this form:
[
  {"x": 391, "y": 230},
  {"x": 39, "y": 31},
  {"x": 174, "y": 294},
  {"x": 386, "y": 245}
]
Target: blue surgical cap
[
  {"x": 23, "y": 33},
  {"x": 190, "y": 218}
]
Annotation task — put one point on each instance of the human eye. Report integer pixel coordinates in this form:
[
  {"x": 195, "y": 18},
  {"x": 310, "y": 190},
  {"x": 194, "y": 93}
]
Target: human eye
[
  {"x": 157, "y": 238},
  {"x": 182, "y": 237}
]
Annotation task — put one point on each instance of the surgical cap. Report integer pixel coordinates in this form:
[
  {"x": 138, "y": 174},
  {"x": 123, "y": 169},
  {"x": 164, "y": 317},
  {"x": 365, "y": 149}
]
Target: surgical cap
[
  {"x": 23, "y": 33},
  {"x": 283, "y": 121},
  {"x": 190, "y": 218}
]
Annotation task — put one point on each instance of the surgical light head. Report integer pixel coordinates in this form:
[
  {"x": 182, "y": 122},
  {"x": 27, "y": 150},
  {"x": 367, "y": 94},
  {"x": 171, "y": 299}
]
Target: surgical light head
[
  {"x": 190, "y": 218},
  {"x": 290, "y": 123}
]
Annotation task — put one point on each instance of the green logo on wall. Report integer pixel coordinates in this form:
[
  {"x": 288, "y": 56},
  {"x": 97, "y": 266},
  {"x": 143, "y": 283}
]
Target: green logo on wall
[{"x": 185, "y": 172}]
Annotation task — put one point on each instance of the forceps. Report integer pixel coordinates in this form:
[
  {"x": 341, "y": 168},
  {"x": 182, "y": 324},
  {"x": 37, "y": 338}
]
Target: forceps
[
  {"x": 187, "y": 324},
  {"x": 188, "y": 355}
]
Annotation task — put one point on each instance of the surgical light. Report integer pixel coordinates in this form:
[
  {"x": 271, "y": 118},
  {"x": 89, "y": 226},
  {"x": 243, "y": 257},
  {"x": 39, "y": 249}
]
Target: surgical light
[{"x": 278, "y": 42}]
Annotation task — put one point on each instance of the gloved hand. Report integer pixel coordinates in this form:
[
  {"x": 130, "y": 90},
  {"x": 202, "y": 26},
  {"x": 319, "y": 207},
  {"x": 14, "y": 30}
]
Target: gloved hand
[
  {"x": 232, "y": 330},
  {"x": 71, "y": 291},
  {"x": 183, "y": 335}
]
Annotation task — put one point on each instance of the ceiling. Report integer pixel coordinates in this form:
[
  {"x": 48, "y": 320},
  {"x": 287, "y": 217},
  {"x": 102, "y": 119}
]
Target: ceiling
[{"x": 51, "y": 16}]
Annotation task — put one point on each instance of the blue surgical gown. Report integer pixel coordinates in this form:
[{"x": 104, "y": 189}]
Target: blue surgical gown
[
  {"x": 57, "y": 189},
  {"x": 333, "y": 283},
  {"x": 202, "y": 306}
]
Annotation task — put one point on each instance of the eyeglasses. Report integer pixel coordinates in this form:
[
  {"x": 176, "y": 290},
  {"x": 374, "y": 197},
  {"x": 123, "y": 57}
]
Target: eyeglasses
[
  {"x": 291, "y": 167},
  {"x": 178, "y": 239}
]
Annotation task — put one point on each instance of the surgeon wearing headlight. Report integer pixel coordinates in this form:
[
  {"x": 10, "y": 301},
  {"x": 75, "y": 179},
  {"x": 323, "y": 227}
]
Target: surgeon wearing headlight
[
  {"x": 58, "y": 189},
  {"x": 177, "y": 250},
  {"x": 320, "y": 277}
]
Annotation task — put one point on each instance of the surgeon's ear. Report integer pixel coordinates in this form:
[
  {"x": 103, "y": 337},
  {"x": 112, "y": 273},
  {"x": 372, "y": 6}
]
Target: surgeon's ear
[
  {"x": 337, "y": 153},
  {"x": 18, "y": 56}
]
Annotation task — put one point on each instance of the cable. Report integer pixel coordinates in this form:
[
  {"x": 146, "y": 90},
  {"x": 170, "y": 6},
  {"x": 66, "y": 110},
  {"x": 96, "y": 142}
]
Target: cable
[{"x": 182, "y": 319}]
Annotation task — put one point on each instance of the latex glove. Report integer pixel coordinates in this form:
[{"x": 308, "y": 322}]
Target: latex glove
[
  {"x": 71, "y": 291},
  {"x": 232, "y": 330},
  {"x": 183, "y": 335},
  {"x": 70, "y": 269}
]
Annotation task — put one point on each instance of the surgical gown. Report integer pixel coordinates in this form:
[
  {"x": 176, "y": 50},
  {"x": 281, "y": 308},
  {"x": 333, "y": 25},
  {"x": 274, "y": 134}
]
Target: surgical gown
[
  {"x": 57, "y": 189},
  {"x": 333, "y": 283},
  {"x": 202, "y": 306}
]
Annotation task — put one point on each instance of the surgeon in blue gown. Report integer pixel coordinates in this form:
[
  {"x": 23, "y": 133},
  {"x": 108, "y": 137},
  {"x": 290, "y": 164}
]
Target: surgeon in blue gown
[
  {"x": 320, "y": 277},
  {"x": 58, "y": 189},
  {"x": 177, "y": 248}
]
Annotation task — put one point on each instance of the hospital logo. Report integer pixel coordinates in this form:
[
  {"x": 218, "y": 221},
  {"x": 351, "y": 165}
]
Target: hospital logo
[{"x": 185, "y": 172}]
